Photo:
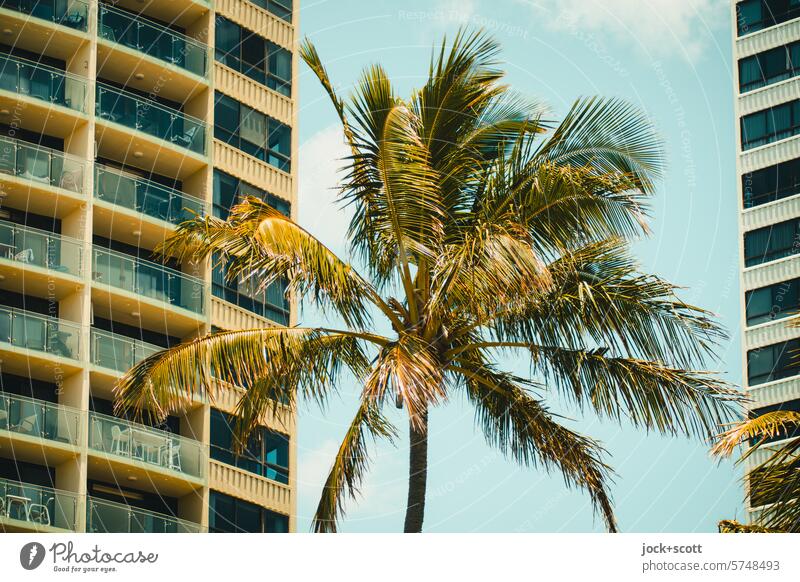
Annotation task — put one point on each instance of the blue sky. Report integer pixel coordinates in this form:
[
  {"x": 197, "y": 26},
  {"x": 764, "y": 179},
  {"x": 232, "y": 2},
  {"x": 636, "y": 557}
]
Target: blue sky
[{"x": 672, "y": 57}]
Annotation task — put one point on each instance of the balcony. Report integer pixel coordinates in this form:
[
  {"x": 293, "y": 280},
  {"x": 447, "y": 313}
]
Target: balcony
[
  {"x": 135, "y": 197},
  {"x": 37, "y": 345},
  {"x": 149, "y": 449},
  {"x": 36, "y": 89},
  {"x": 152, "y": 118},
  {"x": 152, "y": 39},
  {"x": 38, "y": 262},
  {"x": 73, "y": 14},
  {"x": 39, "y": 419},
  {"x": 39, "y": 179},
  {"x": 117, "y": 352},
  {"x": 148, "y": 280},
  {"x": 108, "y": 517},
  {"x": 25, "y": 507}
]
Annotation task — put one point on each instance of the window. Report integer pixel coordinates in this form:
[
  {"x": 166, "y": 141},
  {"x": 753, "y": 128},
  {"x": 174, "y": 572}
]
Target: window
[
  {"x": 229, "y": 190},
  {"x": 252, "y": 132},
  {"x": 773, "y": 362},
  {"x": 770, "y": 125},
  {"x": 769, "y": 67},
  {"x": 753, "y": 15},
  {"x": 772, "y": 183},
  {"x": 771, "y": 243},
  {"x": 254, "y": 56},
  {"x": 773, "y": 302},
  {"x": 266, "y": 453},
  {"x": 280, "y": 8},
  {"x": 230, "y": 515}
]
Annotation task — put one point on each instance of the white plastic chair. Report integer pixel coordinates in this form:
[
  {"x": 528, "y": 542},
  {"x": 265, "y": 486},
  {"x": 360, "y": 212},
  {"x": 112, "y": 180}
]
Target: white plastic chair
[
  {"x": 25, "y": 256},
  {"x": 39, "y": 513},
  {"x": 120, "y": 441}
]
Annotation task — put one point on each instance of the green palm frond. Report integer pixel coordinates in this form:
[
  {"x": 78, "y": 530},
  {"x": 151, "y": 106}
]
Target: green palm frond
[
  {"x": 517, "y": 424},
  {"x": 350, "y": 465},
  {"x": 647, "y": 394},
  {"x": 296, "y": 359},
  {"x": 610, "y": 135}
]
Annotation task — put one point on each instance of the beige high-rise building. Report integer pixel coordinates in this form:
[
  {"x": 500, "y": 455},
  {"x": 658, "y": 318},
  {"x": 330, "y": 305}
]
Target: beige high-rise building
[
  {"x": 117, "y": 120},
  {"x": 766, "y": 39}
]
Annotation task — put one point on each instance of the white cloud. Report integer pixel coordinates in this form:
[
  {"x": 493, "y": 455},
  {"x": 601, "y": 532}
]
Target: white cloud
[
  {"x": 657, "y": 27},
  {"x": 321, "y": 159}
]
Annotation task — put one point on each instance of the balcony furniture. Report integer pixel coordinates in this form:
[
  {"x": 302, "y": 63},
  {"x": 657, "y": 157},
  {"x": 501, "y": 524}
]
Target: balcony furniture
[
  {"x": 7, "y": 250},
  {"x": 74, "y": 20},
  {"x": 59, "y": 342},
  {"x": 171, "y": 455},
  {"x": 3, "y": 418},
  {"x": 24, "y": 256},
  {"x": 27, "y": 424},
  {"x": 120, "y": 441},
  {"x": 22, "y": 503},
  {"x": 2, "y": 507},
  {"x": 147, "y": 444},
  {"x": 39, "y": 513},
  {"x": 187, "y": 138},
  {"x": 72, "y": 180}
]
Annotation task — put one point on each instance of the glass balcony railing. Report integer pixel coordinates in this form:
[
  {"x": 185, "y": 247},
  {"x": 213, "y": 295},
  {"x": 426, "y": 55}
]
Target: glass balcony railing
[
  {"x": 37, "y": 505},
  {"x": 40, "y": 333},
  {"x": 117, "y": 352},
  {"x": 41, "y": 82},
  {"x": 149, "y": 279},
  {"x": 71, "y": 13},
  {"x": 38, "y": 418},
  {"x": 40, "y": 248},
  {"x": 145, "y": 196},
  {"x": 152, "y": 39},
  {"x": 159, "y": 448},
  {"x": 151, "y": 118},
  {"x": 109, "y": 517},
  {"x": 39, "y": 164}
]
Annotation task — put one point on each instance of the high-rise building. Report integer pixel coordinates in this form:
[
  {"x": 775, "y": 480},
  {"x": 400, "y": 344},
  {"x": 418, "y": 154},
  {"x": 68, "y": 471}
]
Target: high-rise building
[
  {"x": 117, "y": 121},
  {"x": 767, "y": 85}
]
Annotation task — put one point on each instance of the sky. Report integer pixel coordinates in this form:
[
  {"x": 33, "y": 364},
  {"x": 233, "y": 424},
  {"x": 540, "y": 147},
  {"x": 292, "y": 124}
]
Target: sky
[{"x": 670, "y": 57}]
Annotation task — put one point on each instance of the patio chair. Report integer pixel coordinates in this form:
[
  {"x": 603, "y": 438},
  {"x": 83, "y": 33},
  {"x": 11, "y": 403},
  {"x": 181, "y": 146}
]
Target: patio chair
[
  {"x": 187, "y": 138},
  {"x": 25, "y": 256},
  {"x": 120, "y": 441},
  {"x": 39, "y": 513},
  {"x": 27, "y": 424},
  {"x": 2, "y": 507},
  {"x": 172, "y": 461}
]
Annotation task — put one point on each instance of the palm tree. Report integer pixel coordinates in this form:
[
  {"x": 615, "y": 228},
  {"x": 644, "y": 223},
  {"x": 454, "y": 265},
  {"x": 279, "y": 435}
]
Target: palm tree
[
  {"x": 486, "y": 230},
  {"x": 774, "y": 483}
]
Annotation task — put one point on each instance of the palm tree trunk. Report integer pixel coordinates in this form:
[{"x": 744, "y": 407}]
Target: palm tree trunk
[{"x": 417, "y": 475}]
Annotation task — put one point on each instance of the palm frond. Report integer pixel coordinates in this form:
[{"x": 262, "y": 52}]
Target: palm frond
[
  {"x": 517, "y": 424},
  {"x": 350, "y": 465},
  {"x": 758, "y": 429},
  {"x": 609, "y": 135}
]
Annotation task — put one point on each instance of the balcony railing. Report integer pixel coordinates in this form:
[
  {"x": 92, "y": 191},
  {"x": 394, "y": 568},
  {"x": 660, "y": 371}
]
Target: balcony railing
[
  {"x": 117, "y": 352},
  {"x": 149, "y": 279},
  {"x": 38, "y": 506},
  {"x": 159, "y": 448},
  {"x": 145, "y": 196},
  {"x": 41, "y": 82},
  {"x": 109, "y": 517},
  {"x": 71, "y": 13},
  {"x": 38, "y": 418},
  {"x": 40, "y": 164},
  {"x": 152, "y": 39},
  {"x": 40, "y": 248},
  {"x": 40, "y": 333},
  {"x": 151, "y": 118}
]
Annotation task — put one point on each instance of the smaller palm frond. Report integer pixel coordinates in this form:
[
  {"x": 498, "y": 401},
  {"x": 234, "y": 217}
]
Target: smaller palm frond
[
  {"x": 518, "y": 424},
  {"x": 757, "y": 430},
  {"x": 733, "y": 526},
  {"x": 350, "y": 465}
]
